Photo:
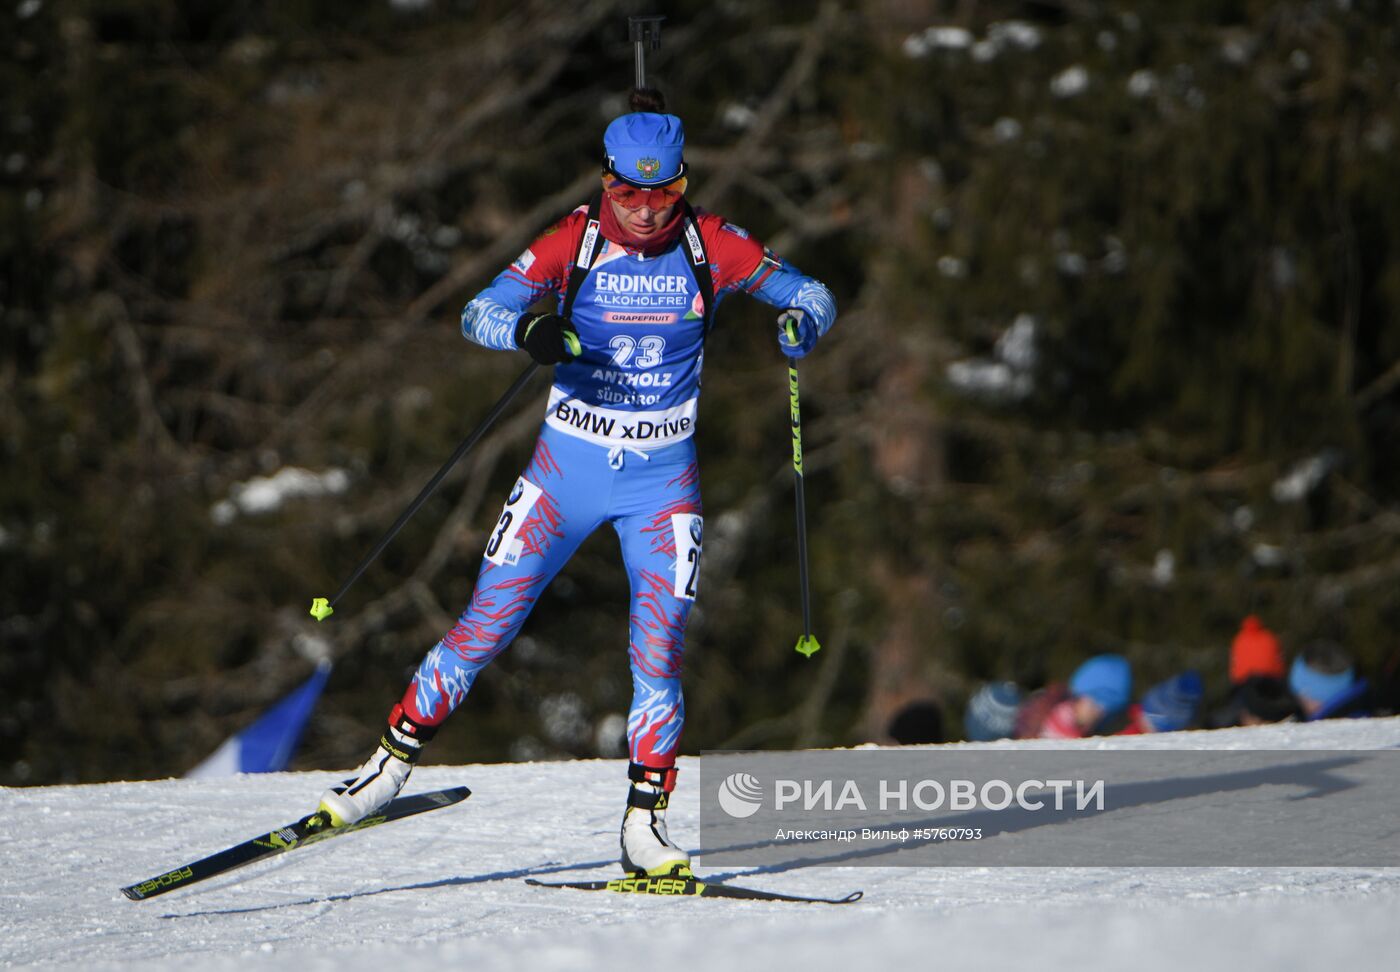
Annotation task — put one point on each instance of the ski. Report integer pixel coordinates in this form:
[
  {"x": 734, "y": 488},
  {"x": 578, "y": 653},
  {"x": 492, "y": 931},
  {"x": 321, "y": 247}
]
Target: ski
[
  {"x": 688, "y": 887},
  {"x": 307, "y": 830}
]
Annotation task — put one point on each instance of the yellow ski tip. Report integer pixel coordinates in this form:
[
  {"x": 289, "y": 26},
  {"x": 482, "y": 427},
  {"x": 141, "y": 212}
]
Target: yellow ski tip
[
  {"x": 808, "y": 645},
  {"x": 321, "y": 609}
]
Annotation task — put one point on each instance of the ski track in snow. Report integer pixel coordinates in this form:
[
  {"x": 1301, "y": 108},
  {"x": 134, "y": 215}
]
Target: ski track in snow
[{"x": 446, "y": 890}]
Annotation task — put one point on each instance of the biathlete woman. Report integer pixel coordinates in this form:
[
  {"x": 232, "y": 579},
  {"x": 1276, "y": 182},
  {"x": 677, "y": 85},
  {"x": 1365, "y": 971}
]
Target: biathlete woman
[{"x": 638, "y": 274}]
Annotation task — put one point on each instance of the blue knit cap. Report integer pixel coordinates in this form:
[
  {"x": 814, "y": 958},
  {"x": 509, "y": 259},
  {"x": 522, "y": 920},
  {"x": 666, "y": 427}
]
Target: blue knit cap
[
  {"x": 991, "y": 712},
  {"x": 1171, "y": 705},
  {"x": 1308, "y": 683},
  {"x": 1107, "y": 679},
  {"x": 644, "y": 148}
]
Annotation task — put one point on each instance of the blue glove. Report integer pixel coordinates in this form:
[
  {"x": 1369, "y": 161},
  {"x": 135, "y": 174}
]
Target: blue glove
[{"x": 797, "y": 333}]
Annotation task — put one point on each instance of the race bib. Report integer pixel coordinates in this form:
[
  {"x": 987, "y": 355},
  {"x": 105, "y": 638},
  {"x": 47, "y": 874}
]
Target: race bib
[
  {"x": 689, "y": 531},
  {"x": 504, "y": 546}
]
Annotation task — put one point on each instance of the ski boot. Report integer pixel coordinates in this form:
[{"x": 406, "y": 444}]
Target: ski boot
[
  {"x": 646, "y": 848},
  {"x": 382, "y": 776}
]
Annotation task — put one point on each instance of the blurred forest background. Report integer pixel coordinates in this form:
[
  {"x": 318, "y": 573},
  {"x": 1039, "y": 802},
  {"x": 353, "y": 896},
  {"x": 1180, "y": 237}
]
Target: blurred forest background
[{"x": 1116, "y": 362}]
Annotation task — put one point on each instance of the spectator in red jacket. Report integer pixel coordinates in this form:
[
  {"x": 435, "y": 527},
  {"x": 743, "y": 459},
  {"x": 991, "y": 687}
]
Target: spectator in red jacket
[{"x": 1099, "y": 689}]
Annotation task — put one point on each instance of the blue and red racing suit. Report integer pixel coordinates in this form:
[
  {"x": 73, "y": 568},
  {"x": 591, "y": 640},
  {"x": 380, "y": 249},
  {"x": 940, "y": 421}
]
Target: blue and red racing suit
[{"x": 616, "y": 447}]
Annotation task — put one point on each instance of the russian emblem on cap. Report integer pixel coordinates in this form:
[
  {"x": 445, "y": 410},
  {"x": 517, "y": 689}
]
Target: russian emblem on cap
[{"x": 648, "y": 167}]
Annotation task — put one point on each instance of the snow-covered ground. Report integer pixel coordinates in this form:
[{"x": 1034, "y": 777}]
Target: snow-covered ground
[{"x": 446, "y": 890}]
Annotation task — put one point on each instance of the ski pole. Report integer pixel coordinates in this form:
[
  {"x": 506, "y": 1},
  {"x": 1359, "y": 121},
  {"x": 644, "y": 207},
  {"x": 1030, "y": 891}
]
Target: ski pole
[
  {"x": 321, "y": 607},
  {"x": 807, "y": 644}
]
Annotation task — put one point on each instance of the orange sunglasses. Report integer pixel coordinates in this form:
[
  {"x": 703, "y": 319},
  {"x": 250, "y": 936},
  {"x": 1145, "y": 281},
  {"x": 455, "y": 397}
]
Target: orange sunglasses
[{"x": 662, "y": 197}]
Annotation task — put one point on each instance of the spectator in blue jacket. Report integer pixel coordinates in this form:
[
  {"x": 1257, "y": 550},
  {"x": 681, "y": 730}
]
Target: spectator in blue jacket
[{"x": 1324, "y": 680}]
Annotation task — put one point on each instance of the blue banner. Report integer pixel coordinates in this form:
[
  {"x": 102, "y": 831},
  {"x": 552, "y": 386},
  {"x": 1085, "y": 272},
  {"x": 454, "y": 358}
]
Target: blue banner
[{"x": 268, "y": 744}]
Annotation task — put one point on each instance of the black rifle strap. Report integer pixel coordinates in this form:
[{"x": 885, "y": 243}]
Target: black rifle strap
[
  {"x": 700, "y": 263},
  {"x": 587, "y": 250}
]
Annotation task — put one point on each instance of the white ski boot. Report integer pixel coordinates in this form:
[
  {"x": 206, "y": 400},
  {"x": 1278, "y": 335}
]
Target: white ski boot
[
  {"x": 646, "y": 848},
  {"x": 382, "y": 776}
]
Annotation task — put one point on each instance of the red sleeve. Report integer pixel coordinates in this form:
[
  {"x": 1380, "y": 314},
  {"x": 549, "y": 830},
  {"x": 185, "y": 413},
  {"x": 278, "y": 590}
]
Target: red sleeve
[
  {"x": 1031, "y": 716},
  {"x": 1061, "y": 723},
  {"x": 736, "y": 258},
  {"x": 1135, "y": 722},
  {"x": 546, "y": 263}
]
